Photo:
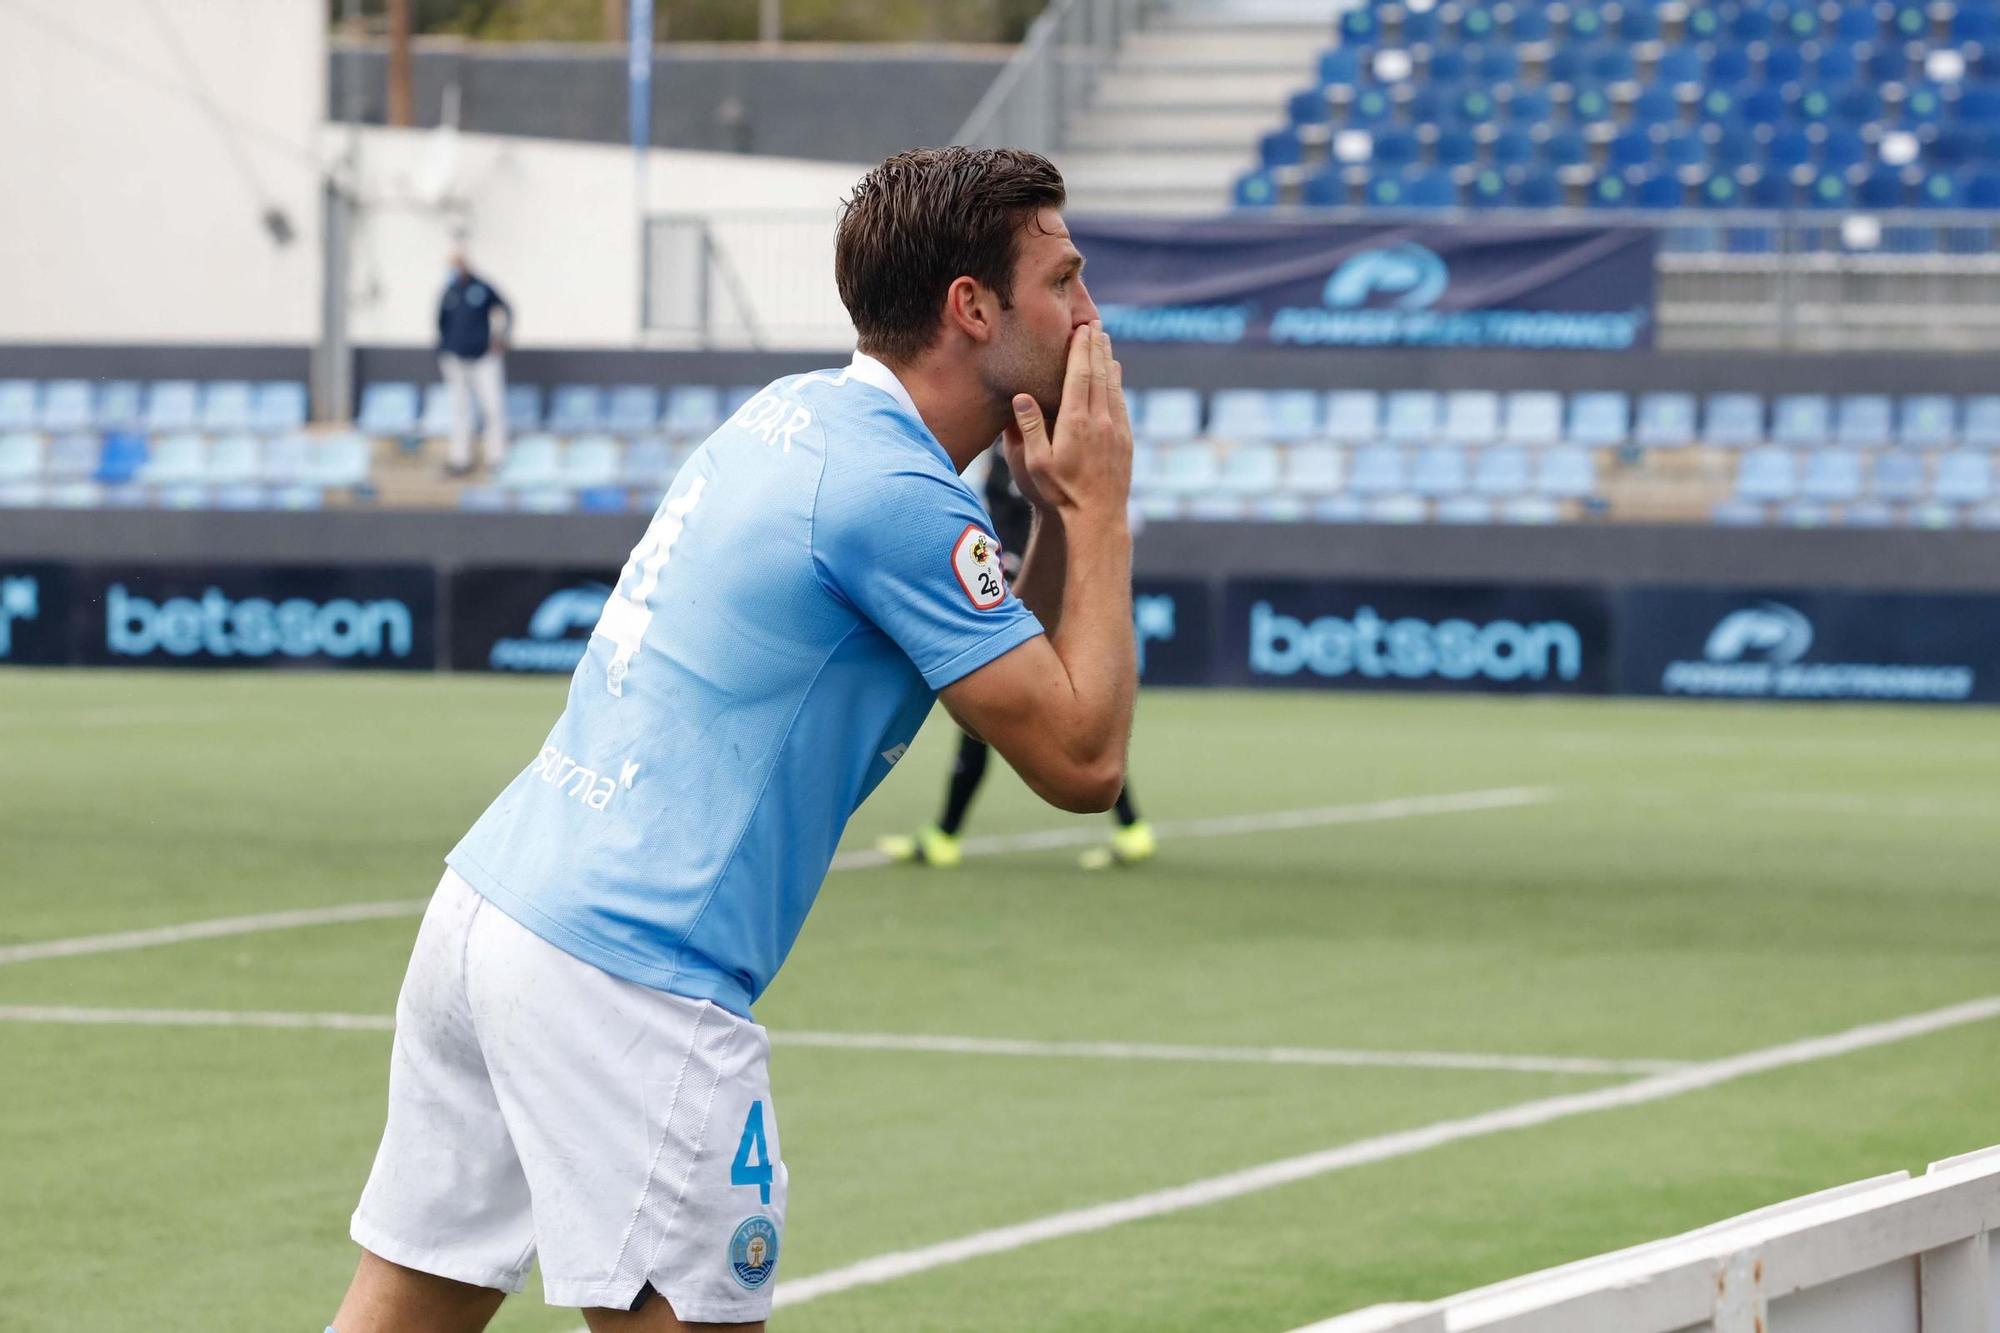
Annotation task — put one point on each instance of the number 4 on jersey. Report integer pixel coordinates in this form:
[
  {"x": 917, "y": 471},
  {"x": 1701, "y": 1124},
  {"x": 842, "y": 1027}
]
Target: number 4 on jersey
[{"x": 743, "y": 1171}]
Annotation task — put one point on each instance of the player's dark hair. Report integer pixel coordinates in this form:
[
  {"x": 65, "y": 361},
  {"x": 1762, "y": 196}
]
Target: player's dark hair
[{"x": 924, "y": 219}]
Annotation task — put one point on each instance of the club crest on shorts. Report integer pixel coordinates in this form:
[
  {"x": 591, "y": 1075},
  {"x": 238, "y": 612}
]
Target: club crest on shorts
[
  {"x": 753, "y": 1252},
  {"x": 975, "y": 559}
]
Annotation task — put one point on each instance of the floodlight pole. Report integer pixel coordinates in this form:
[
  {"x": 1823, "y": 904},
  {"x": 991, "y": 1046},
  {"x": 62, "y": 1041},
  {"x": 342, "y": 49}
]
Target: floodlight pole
[
  {"x": 334, "y": 375},
  {"x": 639, "y": 110}
]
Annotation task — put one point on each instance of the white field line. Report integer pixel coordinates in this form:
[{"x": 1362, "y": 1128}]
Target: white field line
[
  {"x": 1406, "y": 807},
  {"x": 902, "y": 1042},
  {"x": 1402, "y": 1143}
]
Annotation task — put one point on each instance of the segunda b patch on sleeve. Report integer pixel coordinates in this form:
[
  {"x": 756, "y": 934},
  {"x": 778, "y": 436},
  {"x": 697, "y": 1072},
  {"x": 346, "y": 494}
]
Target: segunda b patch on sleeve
[{"x": 975, "y": 559}]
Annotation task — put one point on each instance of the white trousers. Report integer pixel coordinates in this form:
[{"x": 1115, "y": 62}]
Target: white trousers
[{"x": 486, "y": 380}]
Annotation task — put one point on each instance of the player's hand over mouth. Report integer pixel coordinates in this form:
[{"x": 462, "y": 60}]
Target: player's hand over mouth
[{"x": 1085, "y": 471}]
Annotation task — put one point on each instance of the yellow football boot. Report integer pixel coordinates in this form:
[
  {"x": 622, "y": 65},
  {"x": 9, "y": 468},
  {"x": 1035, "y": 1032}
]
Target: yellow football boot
[
  {"x": 932, "y": 847},
  {"x": 1129, "y": 846}
]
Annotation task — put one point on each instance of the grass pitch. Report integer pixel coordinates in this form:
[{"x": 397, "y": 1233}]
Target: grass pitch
[{"x": 1704, "y": 880}]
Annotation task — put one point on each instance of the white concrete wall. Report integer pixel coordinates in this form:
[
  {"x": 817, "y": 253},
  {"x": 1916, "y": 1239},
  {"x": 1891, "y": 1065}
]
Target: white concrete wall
[
  {"x": 555, "y": 226},
  {"x": 139, "y": 144}
]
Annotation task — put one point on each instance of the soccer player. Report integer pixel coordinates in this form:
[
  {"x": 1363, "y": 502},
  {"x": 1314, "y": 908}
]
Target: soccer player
[
  {"x": 937, "y": 845},
  {"x": 576, "y": 1072}
]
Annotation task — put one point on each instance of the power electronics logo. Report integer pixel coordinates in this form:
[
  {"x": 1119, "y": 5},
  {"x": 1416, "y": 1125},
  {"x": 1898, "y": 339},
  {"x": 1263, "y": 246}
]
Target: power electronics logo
[
  {"x": 1758, "y": 652},
  {"x": 20, "y": 602},
  {"x": 1405, "y": 275},
  {"x": 1154, "y": 618},
  {"x": 558, "y": 632},
  {"x": 1370, "y": 647}
]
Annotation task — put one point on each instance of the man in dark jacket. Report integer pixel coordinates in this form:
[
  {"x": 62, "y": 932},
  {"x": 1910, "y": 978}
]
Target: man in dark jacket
[{"x": 469, "y": 351}]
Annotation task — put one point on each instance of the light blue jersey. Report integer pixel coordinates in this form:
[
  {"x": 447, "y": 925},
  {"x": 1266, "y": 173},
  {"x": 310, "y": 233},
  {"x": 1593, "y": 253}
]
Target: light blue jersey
[{"x": 815, "y": 574}]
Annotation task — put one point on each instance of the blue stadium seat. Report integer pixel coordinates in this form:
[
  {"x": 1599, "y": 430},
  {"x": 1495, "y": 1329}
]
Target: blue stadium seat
[
  {"x": 1387, "y": 191},
  {"x": 1868, "y": 513},
  {"x": 1378, "y": 470},
  {"x": 1433, "y": 189},
  {"x": 1665, "y": 421},
  {"x": 1881, "y": 188},
  {"x": 533, "y": 461},
  {"x": 1586, "y": 24},
  {"x": 1862, "y": 421},
  {"x": 1532, "y": 416},
  {"x": 1314, "y": 469},
  {"x": 1464, "y": 509},
  {"x": 1784, "y": 65},
  {"x": 1843, "y": 149},
  {"x": 1897, "y": 477},
  {"x": 20, "y": 404},
  {"x": 1981, "y": 190},
  {"x": 1639, "y": 22},
  {"x": 72, "y": 457},
  {"x": 1767, "y": 473},
  {"x": 225, "y": 406},
  {"x": 1170, "y": 414},
  {"x": 1857, "y": 23},
  {"x": 1353, "y": 416},
  {"x": 173, "y": 405},
  {"x": 1308, "y": 108},
  {"x": 1734, "y": 420},
  {"x": 436, "y": 418},
  {"x": 1719, "y": 104},
  {"x": 1188, "y": 468},
  {"x": 632, "y": 409},
  {"x": 1630, "y": 150},
  {"x": 286, "y": 460},
  {"x": 693, "y": 411},
  {"x": 1680, "y": 67},
  {"x": 1684, "y": 151},
  {"x": 1565, "y": 148},
  {"x": 1964, "y": 476},
  {"x": 388, "y": 409},
  {"x": 66, "y": 405},
  {"x": 1511, "y": 148},
  {"x": 1788, "y": 148},
  {"x": 1762, "y": 105},
  {"x": 1656, "y": 106},
  {"x": 1720, "y": 191},
  {"x": 279, "y": 405},
  {"x": 1370, "y": 109},
  {"x": 1357, "y": 26},
  {"x": 1324, "y": 189},
  {"x": 1773, "y": 189},
  {"x": 1340, "y": 67},
  {"x": 1538, "y": 189},
  {"x": 1449, "y": 65},
  {"x": 650, "y": 463},
  {"x": 1565, "y": 472},
  {"x": 1982, "y": 421},
  {"x": 603, "y": 500},
  {"x": 1531, "y": 23},
  {"x": 1529, "y": 108},
  {"x": 1455, "y": 148},
  {"x": 1589, "y": 106},
  {"x": 1829, "y": 189},
  {"x": 1394, "y": 149},
  {"x": 1254, "y": 189},
  {"x": 1502, "y": 470},
  {"x": 1661, "y": 190},
  {"x": 235, "y": 460},
  {"x": 1611, "y": 63},
  {"x": 1927, "y": 421},
  {"x": 1600, "y": 419},
  {"x": 1438, "y": 471},
  {"x": 1475, "y": 25},
  {"x": 1801, "y": 419},
  {"x": 485, "y": 500},
  {"x": 591, "y": 461},
  {"x": 1411, "y": 416},
  {"x": 1704, "y": 25},
  {"x": 1279, "y": 150},
  {"x": 545, "y": 500},
  {"x": 1251, "y": 469},
  {"x": 1421, "y": 27},
  {"x": 179, "y": 459},
  {"x": 1832, "y": 475},
  {"x": 121, "y": 405},
  {"x": 1611, "y": 191},
  {"x": 1497, "y": 67},
  {"x": 23, "y": 455},
  {"x": 1486, "y": 189},
  {"x": 575, "y": 409},
  {"x": 338, "y": 462},
  {"x": 1471, "y": 416},
  {"x": 524, "y": 407}
]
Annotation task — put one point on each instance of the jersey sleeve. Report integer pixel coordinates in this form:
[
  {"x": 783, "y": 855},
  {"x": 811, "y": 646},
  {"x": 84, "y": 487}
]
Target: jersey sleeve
[{"x": 912, "y": 551}]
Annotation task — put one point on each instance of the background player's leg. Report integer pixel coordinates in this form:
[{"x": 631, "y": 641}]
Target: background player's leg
[
  {"x": 967, "y": 772},
  {"x": 1127, "y": 813},
  {"x": 489, "y": 382},
  {"x": 654, "y": 1315},
  {"x": 458, "y": 387},
  {"x": 388, "y": 1298}
]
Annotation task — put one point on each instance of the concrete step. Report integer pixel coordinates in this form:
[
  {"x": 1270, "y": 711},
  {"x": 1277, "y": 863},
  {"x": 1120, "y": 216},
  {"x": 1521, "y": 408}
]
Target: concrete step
[
  {"x": 1156, "y": 203},
  {"x": 1248, "y": 13},
  {"x": 1226, "y": 48},
  {"x": 1200, "y": 90},
  {"x": 1220, "y": 131},
  {"x": 1194, "y": 171}
]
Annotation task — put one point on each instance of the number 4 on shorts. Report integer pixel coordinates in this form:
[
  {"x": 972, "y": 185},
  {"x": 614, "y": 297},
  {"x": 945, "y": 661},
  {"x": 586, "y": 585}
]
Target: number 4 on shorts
[{"x": 743, "y": 1171}]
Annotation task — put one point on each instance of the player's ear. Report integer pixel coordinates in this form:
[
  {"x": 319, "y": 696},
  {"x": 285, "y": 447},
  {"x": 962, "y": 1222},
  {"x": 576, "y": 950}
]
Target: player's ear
[{"x": 971, "y": 308}]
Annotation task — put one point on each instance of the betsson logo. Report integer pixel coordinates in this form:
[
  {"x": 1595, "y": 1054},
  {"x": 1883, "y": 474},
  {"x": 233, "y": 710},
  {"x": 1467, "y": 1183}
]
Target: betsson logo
[
  {"x": 224, "y": 626},
  {"x": 1414, "y": 275},
  {"x": 20, "y": 601},
  {"x": 558, "y": 632},
  {"x": 1412, "y": 649}
]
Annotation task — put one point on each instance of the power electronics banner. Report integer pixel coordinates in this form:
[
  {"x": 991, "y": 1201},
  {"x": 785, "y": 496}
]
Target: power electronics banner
[
  {"x": 1253, "y": 283},
  {"x": 34, "y": 614},
  {"x": 524, "y": 619},
  {"x": 1393, "y": 636},
  {"x": 377, "y": 618},
  {"x": 1709, "y": 644}
]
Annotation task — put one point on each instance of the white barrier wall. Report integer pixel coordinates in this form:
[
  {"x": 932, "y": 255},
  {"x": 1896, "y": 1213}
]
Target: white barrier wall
[{"x": 140, "y": 145}]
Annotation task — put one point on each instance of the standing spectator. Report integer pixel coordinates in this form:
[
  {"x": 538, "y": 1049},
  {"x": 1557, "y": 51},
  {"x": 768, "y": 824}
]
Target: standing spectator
[{"x": 469, "y": 351}]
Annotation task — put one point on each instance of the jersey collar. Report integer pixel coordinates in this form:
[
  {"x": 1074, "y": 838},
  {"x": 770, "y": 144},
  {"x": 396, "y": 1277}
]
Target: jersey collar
[{"x": 876, "y": 375}]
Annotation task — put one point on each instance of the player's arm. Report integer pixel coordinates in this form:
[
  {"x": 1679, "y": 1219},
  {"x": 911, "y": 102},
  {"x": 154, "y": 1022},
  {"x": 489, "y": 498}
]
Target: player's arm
[{"x": 1059, "y": 707}]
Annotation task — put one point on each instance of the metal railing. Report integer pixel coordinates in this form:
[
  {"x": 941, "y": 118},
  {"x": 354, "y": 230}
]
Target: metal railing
[{"x": 1052, "y": 76}]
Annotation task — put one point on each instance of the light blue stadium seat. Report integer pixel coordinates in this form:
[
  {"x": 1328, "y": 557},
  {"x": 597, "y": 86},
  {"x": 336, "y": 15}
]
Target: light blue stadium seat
[
  {"x": 287, "y": 460},
  {"x": 338, "y": 462},
  {"x": 1465, "y": 509},
  {"x": 300, "y": 498},
  {"x": 1982, "y": 421},
  {"x": 1862, "y": 421},
  {"x": 389, "y": 409},
  {"x": 1735, "y": 513},
  {"x": 1565, "y": 472},
  {"x": 1314, "y": 469},
  {"x": 180, "y": 459},
  {"x": 524, "y": 407},
  {"x": 235, "y": 460},
  {"x": 1530, "y": 510},
  {"x": 1353, "y": 416},
  {"x": 1171, "y": 414},
  {"x": 1251, "y": 469},
  {"x": 532, "y": 461},
  {"x": 1734, "y": 420},
  {"x": 1600, "y": 419},
  {"x": 1767, "y": 473},
  {"x": 24, "y": 495},
  {"x": 226, "y": 406},
  {"x": 1665, "y": 420},
  {"x": 632, "y": 409},
  {"x": 693, "y": 411},
  {"x": 1928, "y": 421},
  {"x": 1188, "y": 468},
  {"x": 1897, "y": 477},
  {"x": 1438, "y": 471},
  {"x": 23, "y": 455},
  {"x": 1292, "y": 414},
  {"x": 241, "y": 496},
  {"x": 173, "y": 405},
  {"x": 1395, "y": 509},
  {"x": 1501, "y": 470},
  {"x": 1869, "y": 514},
  {"x": 1243, "y": 414},
  {"x": 1801, "y": 420},
  {"x": 20, "y": 404},
  {"x": 124, "y": 453},
  {"x": 603, "y": 500},
  {"x": 546, "y": 500},
  {"x": 121, "y": 405},
  {"x": 1411, "y": 416},
  {"x": 1832, "y": 475},
  {"x": 185, "y": 495},
  {"x": 650, "y": 463},
  {"x": 1471, "y": 417},
  {"x": 575, "y": 408},
  {"x": 1964, "y": 476},
  {"x": 1379, "y": 470},
  {"x": 1532, "y": 416},
  {"x": 67, "y": 405},
  {"x": 591, "y": 460},
  {"x": 279, "y": 405},
  {"x": 436, "y": 418},
  {"x": 485, "y": 500},
  {"x": 72, "y": 457}
]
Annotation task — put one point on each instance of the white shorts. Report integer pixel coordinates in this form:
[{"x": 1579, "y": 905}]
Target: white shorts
[{"x": 536, "y": 1101}]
